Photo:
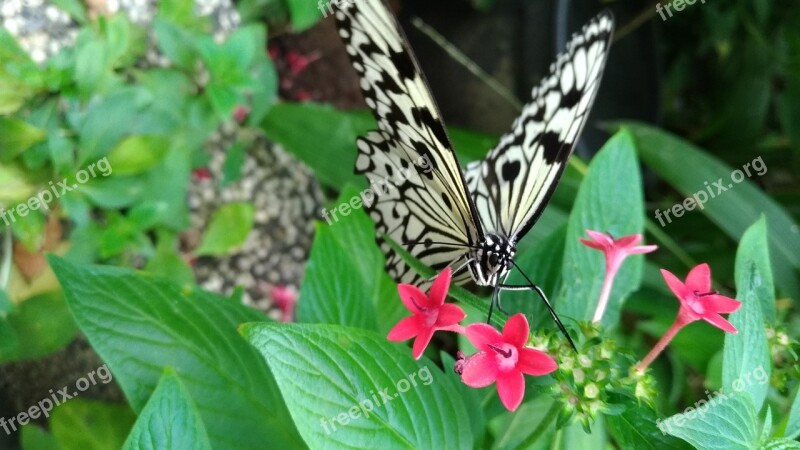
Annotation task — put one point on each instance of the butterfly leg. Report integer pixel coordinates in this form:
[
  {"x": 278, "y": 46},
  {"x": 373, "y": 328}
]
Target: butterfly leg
[
  {"x": 492, "y": 303},
  {"x": 533, "y": 287}
]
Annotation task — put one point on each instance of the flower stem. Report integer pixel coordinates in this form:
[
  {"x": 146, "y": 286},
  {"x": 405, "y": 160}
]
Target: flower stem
[
  {"x": 602, "y": 301},
  {"x": 549, "y": 417},
  {"x": 660, "y": 345}
]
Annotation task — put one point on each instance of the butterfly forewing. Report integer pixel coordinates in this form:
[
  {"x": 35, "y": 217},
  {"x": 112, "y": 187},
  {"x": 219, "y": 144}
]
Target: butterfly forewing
[
  {"x": 432, "y": 205},
  {"x": 513, "y": 184}
]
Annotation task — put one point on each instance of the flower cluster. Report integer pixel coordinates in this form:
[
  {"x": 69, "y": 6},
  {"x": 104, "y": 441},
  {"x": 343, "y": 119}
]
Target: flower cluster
[
  {"x": 502, "y": 358},
  {"x": 595, "y": 379}
]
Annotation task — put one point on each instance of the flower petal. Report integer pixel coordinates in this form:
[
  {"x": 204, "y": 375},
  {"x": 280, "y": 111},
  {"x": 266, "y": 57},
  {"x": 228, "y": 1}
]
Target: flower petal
[
  {"x": 675, "y": 285},
  {"x": 413, "y": 298},
  {"x": 601, "y": 238},
  {"x": 535, "y": 362},
  {"x": 481, "y": 335},
  {"x": 449, "y": 314},
  {"x": 516, "y": 330},
  {"x": 511, "y": 388},
  {"x": 422, "y": 341},
  {"x": 719, "y": 322},
  {"x": 479, "y": 370},
  {"x": 699, "y": 279},
  {"x": 639, "y": 249},
  {"x": 441, "y": 285},
  {"x": 628, "y": 241},
  {"x": 721, "y": 304},
  {"x": 405, "y": 329},
  {"x": 591, "y": 244}
]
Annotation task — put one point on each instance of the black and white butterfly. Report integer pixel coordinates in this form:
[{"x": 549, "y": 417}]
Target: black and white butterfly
[{"x": 469, "y": 220}]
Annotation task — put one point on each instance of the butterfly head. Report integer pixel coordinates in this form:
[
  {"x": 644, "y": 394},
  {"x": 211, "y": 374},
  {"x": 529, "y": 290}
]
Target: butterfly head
[{"x": 492, "y": 259}]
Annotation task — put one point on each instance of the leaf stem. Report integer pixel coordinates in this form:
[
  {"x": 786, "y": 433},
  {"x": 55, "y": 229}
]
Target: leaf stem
[{"x": 467, "y": 63}]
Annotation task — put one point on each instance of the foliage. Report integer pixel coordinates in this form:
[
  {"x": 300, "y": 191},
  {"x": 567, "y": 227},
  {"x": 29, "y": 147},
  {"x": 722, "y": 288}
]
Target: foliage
[{"x": 200, "y": 370}]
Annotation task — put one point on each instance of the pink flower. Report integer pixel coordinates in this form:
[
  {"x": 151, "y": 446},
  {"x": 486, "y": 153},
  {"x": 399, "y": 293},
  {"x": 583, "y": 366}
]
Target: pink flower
[
  {"x": 285, "y": 299},
  {"x": 202, "y": 173},
  {"x": 615, "y": 250},
  {"x": 503, "y": 358},
  {"x": 698, "y": 301},
  {"x": 240, "y": 113},
  {"x": 430, "y": 313}
]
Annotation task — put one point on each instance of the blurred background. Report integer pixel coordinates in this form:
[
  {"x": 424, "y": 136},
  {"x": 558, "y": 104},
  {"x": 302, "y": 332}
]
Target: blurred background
[{"x": 224, "y": 123}]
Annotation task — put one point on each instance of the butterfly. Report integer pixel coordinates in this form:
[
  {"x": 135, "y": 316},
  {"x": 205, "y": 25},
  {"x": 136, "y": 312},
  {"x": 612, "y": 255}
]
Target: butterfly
[{"x": 471, "y": 220}]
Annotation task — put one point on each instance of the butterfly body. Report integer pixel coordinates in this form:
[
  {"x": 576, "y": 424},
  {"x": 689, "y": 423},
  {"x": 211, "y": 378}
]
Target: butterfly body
[{"x": 491, "y": 260}]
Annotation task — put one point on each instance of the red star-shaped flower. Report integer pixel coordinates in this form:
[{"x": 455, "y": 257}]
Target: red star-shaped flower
[
  {"x": 430, "y": 313},
  {"x": 615, "y": 251},
  {"x": 698, "y": 301},
  {"x": 503, "y": 358}
]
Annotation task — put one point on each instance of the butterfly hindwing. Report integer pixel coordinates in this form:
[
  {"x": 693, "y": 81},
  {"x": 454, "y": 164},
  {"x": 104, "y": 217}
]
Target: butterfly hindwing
[
  {"x": 433, "y": 205},
  {"x": 513, "y": 184}
]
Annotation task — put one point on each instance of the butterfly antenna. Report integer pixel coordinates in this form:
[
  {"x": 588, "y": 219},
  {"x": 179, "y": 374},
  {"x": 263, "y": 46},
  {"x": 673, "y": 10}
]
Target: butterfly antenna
[
  {"x": 446, "y": 244},
  {"x": 549, "y": 307}
]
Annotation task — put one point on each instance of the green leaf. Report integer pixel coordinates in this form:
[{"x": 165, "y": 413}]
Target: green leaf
[
  {"x": 512, "y": 429},
  {"x": 330, "y": 376},
  {"x": 137, "y": 154},
  {"x": 234, "y": 162},
  {"x": 74, "y": 8},
  {"x": 16, "y": 136},
  {"x": 747, "y": 363},
  {"x": 228, "y": 229},
  {"x": 140, "y": 324},
  {"x": 306, "y": 13},
  {"x": 688, "y": 168},
  {"x": 610, "y": 200},
  {"x": 542, "y": 263},
  {"x": 334, "y": 291},
  {"x": 40, "y": 326},
  {"x": 169, "y": 420},
  {"x": 793, "y": 422},
  {"x": 727, "y": 423},
  {"x": 90, "y": 425},
  {"x": 637, "y": 428},
  {"x": 780, "y": 444},
  {"x": 175, "y": 43},
  {"x": 37, "y": 438}
]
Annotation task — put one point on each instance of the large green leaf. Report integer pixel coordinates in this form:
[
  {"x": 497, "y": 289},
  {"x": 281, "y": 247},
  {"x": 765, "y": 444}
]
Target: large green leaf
[
  {"x": 169, "y": 420},
  {"x": 334, "y": 290},
  {"x": 688, "y": 169},
  {"x": 727, "y": 423},
  {"x": 331, "y": 376},
  {"x": 637, "y": 427},
  {"x": 610, "y": 200},
  {"x": 90, "y": 425},
  {"x": 793, "y": 422},
  {"x": 747, "y": 363},
  {"x": 140, "y": 324}
]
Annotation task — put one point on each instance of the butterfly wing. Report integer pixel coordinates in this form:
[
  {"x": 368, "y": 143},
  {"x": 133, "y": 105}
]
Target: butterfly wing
[
  {"x": 513, "y": 184},
  {"x": 431, "y": 206}
]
